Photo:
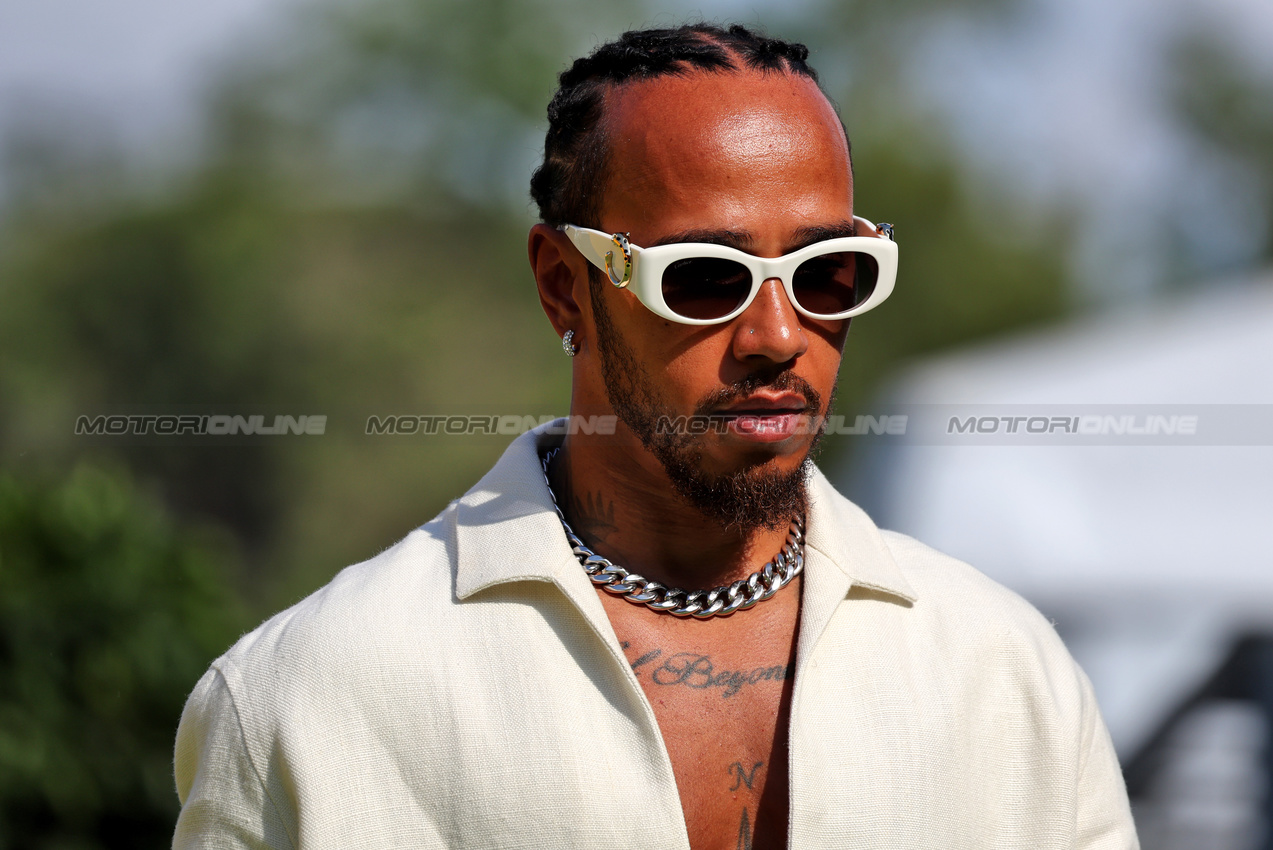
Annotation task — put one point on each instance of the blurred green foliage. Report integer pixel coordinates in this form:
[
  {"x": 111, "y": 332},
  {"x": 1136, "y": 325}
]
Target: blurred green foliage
[
  {"x": 350, "y": 242},
  {"x": 108, "y": 614}
]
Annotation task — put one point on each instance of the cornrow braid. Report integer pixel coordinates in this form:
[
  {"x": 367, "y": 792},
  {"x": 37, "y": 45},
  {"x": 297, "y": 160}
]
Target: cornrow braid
[{"x": 567, "y": 186}]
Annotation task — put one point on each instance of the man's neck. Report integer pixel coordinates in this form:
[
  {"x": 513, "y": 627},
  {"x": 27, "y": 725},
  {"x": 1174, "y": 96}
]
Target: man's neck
[{"x": 620, "y": 501}]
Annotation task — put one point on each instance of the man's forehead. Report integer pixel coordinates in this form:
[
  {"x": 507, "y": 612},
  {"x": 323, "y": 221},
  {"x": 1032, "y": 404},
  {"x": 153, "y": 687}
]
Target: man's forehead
[
  {"x": 709, "y": 109},
  {"x": 712, "y": 148}
]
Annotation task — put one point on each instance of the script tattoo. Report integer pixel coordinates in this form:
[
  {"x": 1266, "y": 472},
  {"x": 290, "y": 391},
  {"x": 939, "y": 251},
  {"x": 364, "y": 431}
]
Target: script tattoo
[
  {"x": 647, "y": 658},
  {"x": 742, "y": 776},
  {"x": 644, "y": 659},
  {"x": 697, "y": 671},
  {"x": 694, "y": 670}
]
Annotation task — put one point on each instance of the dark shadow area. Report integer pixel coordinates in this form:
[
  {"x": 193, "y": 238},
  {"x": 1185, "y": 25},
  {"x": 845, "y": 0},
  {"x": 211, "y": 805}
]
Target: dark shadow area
[{"x": 1203, "y": 779}]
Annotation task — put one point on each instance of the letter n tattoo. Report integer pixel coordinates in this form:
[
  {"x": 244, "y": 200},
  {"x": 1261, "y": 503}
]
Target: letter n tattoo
[{"x": 742, "y": 776}]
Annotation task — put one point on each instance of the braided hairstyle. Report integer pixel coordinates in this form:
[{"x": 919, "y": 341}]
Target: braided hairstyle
[{"x": 567, "y": 186}]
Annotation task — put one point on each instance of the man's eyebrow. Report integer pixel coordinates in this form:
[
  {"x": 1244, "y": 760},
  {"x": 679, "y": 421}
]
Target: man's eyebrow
[
  {"x": 819, "y": 232},
  {"x": 740, "y": 239}
]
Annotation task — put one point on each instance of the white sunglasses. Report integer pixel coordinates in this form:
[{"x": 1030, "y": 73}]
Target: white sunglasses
[{"x": 697, "y": 283}]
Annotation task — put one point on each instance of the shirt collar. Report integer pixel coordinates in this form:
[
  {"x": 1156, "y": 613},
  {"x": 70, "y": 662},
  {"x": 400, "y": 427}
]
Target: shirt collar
[
  {"x": 505, "y": 527},
  {"x": 505, "y": 530},
  {"x": 850, "y": 540}
]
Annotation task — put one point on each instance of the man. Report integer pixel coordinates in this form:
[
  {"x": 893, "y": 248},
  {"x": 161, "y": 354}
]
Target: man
[{"x": 482, "y": 685}]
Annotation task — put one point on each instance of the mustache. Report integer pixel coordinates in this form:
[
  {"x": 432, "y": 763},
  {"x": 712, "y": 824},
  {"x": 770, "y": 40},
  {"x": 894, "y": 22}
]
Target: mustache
[{"x": 781, "y": 382}]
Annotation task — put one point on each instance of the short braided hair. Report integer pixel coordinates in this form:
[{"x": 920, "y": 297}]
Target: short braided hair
[{"x": 567, "y": 186}]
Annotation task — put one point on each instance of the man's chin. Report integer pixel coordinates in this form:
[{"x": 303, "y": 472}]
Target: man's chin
[
  {"x": 752, "y": 496},
  {"x": 737, "y": 477},
  {"x": 725, "y": 456}
]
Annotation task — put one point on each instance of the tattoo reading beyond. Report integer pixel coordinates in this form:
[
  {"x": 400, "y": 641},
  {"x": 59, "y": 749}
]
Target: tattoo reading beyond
[{"x": 693, "y": 670}]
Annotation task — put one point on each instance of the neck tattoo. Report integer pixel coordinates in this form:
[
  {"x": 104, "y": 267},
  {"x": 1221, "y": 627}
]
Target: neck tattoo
[{"x": 702, "y": 604}]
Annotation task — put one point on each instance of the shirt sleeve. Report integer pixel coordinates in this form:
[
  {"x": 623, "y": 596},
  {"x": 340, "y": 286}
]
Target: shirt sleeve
[
  {"x": 225, "y": 803},
  {"x": 1104, "y": 814}
]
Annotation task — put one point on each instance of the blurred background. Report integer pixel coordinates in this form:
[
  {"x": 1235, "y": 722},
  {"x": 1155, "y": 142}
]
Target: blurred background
[{"x": 317, "y": 207}]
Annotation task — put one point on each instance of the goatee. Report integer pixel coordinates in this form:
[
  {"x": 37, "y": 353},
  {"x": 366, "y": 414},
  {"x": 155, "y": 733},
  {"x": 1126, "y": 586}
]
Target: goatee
[{"x": 746, "y": 499}]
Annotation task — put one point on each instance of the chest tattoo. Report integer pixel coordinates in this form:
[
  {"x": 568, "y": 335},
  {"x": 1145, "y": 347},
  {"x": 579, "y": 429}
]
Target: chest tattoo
[
  {"x": 744, "y": 832},
  {"x": 742, "y": 776},
  {"x": 698, "y": 670}
]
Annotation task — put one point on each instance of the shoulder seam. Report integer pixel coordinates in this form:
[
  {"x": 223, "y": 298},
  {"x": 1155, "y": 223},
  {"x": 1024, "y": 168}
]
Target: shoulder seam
[{"x": 238, "y": 721}]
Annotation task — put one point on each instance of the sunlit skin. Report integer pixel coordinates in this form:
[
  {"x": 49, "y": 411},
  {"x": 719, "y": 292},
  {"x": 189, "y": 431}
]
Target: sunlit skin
[{"x": 756, "y": 161}]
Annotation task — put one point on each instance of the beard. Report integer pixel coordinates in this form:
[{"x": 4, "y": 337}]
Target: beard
[{"x": 746, "y": 499}]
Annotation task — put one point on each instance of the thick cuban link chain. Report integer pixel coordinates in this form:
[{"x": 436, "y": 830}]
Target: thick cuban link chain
[{"x": 702, "y": 604}]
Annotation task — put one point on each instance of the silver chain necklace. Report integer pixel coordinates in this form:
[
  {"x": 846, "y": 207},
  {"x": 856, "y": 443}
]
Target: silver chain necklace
[{"x": 702, "y": 604}]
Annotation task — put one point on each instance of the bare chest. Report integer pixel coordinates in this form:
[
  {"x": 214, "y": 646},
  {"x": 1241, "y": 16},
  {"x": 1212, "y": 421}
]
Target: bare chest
[{"x": 722, "y": 700}]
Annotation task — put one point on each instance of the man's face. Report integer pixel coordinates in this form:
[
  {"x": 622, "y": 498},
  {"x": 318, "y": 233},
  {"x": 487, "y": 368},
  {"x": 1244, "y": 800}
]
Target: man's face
[{"x": 757, "y": 162}]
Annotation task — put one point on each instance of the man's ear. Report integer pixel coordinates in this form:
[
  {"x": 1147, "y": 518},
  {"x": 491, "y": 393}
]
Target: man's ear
[{"x": 561, "y": 273}]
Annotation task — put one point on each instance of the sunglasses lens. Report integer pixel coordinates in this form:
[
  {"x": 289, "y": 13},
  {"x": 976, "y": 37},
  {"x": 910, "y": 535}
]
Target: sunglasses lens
[
  {"x": 705, "y": 287},
  {"x": 835, "y": 283}
]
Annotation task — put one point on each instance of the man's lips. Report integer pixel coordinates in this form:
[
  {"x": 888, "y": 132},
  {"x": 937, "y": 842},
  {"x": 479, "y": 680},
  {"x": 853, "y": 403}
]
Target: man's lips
[
  {"x": 763, "y": 406},
  {"x": 768, "y": 417}
]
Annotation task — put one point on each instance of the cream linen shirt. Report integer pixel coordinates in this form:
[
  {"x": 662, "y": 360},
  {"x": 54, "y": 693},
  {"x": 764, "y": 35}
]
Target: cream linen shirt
[{"x": 465, "y": 689}]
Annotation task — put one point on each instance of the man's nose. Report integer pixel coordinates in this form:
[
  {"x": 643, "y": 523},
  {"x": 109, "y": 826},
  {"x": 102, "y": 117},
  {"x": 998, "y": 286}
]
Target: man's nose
[{"x": 769, "y": 327}]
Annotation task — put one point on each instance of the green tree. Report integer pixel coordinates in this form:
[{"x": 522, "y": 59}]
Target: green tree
[{"x": 109, "y": 611}]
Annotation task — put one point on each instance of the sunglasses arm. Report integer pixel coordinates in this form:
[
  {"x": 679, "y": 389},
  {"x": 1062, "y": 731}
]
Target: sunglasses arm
[{"x": 611, "y": 253}]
